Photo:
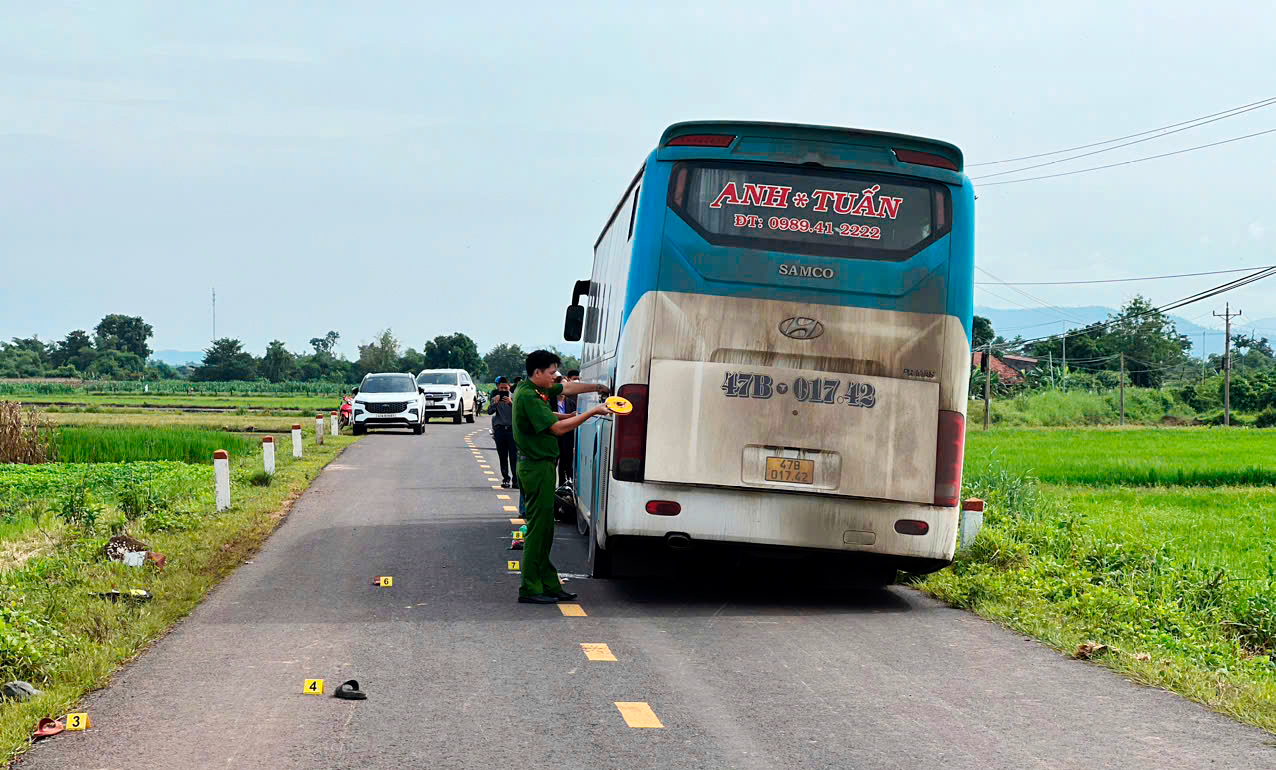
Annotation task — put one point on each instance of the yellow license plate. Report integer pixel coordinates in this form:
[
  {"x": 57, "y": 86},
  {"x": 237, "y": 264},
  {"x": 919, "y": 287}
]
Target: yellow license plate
[{"x": 789, "y": 470}]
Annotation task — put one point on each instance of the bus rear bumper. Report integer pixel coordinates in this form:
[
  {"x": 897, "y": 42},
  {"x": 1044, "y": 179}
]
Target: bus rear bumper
[{"x": 716, "y": 518}]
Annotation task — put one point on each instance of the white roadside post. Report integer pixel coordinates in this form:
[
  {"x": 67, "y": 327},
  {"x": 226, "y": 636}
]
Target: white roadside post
[
  {"x": 319, "y": 429},
  {"x": 221, "y": 474},
  {"x": 335, "y": 428},
  {"x": 268, "y": 453},
  {"x": 972, "y": 520},
  {"x": 296, "y": 441}
]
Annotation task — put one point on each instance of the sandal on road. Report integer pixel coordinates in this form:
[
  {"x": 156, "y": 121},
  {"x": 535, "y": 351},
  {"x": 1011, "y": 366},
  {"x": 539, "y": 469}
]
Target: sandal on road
[
  {"x": 349, "y": 690},
  {"x": 47, "y": 728}
]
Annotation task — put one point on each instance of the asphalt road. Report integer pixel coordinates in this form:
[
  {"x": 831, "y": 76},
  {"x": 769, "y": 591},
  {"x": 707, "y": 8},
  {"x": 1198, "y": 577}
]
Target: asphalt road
[{"x": 740, "y": 672}]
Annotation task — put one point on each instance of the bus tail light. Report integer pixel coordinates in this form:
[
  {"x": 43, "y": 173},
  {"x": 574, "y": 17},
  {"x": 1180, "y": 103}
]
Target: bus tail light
[
  {"x": 631, "y": 435},
  {"x": 923, "y": 159},
  {"x": 948, "y": 456},
  {"x": 911, "y": 527},
  {"x": 663, "y": 508},
  {"x": 701, "y": 140}
]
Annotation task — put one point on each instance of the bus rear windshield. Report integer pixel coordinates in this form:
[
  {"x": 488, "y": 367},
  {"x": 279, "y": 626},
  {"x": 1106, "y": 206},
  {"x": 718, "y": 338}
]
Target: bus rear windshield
[{"x": 810, "y": 211}]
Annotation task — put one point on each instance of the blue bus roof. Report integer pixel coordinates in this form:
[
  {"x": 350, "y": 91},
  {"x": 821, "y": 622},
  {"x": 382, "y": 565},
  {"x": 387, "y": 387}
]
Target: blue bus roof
[{"x": 804, "y": 134}]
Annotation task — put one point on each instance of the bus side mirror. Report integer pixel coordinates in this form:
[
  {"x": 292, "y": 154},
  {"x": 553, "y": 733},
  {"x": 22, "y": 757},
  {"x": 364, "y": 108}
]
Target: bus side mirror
[{"x": 575, "y": 323}]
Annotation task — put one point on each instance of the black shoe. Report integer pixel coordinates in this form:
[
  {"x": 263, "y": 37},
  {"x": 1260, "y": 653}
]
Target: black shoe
[
  {"x": 565, "y": 596},
  {"x": 514, "y": 485},
  {"x": 538, "y": 599},
  {"x": 505, "y": 484}
]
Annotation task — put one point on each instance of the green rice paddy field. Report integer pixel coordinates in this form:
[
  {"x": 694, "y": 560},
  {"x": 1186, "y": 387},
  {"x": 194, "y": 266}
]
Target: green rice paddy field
[{"x": 1207, "y": 494}]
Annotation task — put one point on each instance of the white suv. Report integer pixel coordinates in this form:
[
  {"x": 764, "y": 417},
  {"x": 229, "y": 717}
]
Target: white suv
[
  {"x": 388, "y": 400},
  {"x": 448, "y": 393}
]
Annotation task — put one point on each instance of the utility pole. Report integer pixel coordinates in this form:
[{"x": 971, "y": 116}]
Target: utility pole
[
  {"x": 1051, "y": 352},
  {"x": 214, "y": 315},
  {"x": 1227, "y": 315},
  {"x": 1063, "y": 375},
  {"x": 1203, "y": 357},
  {"x": 1123, "y": 388},
  {"x": 987, "y": 383}
]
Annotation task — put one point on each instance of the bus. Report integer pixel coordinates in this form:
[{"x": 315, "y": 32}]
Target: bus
[{"x": 788, "y": 308}]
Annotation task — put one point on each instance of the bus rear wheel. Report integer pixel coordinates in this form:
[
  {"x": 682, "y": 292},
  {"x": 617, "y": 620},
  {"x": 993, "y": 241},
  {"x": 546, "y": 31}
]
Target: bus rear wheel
[{"x": 600, "y": 562}]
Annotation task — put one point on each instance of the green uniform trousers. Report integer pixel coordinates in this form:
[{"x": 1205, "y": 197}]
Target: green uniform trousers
[{"x": 536, "y": 480}]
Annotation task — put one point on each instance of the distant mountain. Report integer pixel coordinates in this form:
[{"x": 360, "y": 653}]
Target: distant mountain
[
  {"x": 178, "y": 357},
  {"x": 1029, "y": 324},
  {"x": 1263, "y": 327}
]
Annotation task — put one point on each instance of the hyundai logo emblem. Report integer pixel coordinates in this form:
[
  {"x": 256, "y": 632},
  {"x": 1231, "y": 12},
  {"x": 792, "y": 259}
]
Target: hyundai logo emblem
[{"x": 801, "y": 328}]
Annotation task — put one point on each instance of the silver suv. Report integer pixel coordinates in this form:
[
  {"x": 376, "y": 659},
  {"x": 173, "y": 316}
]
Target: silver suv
[{"x": 448, "y": 393}]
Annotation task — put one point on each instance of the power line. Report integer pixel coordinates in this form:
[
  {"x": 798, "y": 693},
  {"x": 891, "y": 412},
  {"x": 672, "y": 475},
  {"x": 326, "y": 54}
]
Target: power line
[
  {"x": 1038, "y": 300},
  {"x": 1214, "y": 291},
  {"x": 1118, "y": 139},
  {"x": 1268, "y": 103},
  {"x": 1129, "y": 162},
  {"x": 1004, "y": 298},
  {"x": 1123, "y": 280}
]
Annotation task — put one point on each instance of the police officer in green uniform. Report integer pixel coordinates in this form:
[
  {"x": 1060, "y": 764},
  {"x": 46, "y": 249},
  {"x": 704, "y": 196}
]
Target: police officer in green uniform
[{"x": 536, "y": 432}]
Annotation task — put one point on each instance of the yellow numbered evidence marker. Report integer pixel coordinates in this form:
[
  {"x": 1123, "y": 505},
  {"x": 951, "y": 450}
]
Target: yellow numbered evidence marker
[
  {"x": 313, "y": 687},
  {"x": 385, "y": 581},
  {"x": 517, "y": 534},
  {"x": 619, "y": 405},
  {"x": 512, "y": 566},
  {"x": 78, "y": 721}
]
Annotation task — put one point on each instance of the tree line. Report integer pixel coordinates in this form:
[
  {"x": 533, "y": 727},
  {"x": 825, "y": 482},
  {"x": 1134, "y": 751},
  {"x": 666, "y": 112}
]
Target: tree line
[
  {"x": 1144, "y": 343},
  {"x": 119, "y": 350}
]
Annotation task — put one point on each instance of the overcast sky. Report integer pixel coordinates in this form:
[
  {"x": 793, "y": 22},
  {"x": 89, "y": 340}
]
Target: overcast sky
[{"x": 442, "y": 167}]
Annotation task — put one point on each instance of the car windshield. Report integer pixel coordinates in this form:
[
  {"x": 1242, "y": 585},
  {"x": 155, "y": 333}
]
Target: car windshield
[
  {"x": 436, "y": 378},
  {"x": 388, "y": 383}
]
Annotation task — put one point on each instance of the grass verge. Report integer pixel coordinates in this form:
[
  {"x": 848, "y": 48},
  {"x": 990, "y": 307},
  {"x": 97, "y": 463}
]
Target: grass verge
[
  {"x": 1139, "y": 600},
  {"x": 68, "y": 642}
]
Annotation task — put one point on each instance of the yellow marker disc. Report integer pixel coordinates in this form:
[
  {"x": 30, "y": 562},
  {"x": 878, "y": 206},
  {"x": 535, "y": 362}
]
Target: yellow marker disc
[{"x": 619, "y": 405}]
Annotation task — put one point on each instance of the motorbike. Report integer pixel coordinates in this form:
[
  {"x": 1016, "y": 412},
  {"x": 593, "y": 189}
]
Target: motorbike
[{"x": 347, "y": 411}]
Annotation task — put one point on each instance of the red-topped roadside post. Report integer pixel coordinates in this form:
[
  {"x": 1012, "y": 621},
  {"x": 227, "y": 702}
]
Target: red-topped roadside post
[
  {"x": 319, "y": 428},
  {"x": 221, "y": 476},
  {"x": 335, "y": 427},
  {"x": 296, "y": 441},
  {"x": 268, "y": 453}
]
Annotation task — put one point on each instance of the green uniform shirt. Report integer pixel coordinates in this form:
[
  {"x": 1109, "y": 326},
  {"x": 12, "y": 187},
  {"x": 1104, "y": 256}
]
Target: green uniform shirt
[{"x": 532, "y": 421}]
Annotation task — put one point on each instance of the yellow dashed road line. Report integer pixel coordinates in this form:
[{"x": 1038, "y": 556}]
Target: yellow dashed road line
[
  {"x": 599, "y": 652},
  {"x": 638, "y": 714},
  {"x": 502, "y": 497},
  {"x": 571, "y": 610},
  {"x": 511, "y": 508},
  {"x": 517, "y": 522}
]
